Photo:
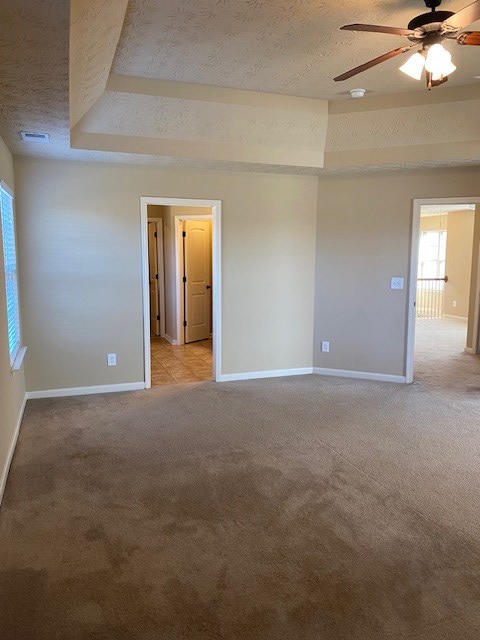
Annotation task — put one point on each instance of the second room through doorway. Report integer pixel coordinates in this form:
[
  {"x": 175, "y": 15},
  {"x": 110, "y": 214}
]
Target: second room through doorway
[{"x": 181, "y": 287}]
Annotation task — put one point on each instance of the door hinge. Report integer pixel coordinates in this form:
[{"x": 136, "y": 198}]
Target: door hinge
[
  {"x": 184, "y": 278},
  {"x": 155, "y": 234},
  {"x": 184, "y": 323},
  {"x": 184, "y": 234},
  {"x": 156, "y": 276},
  {"x": 158, "y": 317}
]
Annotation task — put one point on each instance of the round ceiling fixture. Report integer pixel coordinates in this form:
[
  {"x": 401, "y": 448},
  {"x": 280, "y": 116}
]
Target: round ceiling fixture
[{"x": 357, "y": 93}]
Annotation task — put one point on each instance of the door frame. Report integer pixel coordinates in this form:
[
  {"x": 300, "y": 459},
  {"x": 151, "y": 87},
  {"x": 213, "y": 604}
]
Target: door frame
[
  {"x": 216, "y": 217},
  {"x": 412, "y": 280},
  {"x": 161, "y": 273},
  {"x": 179, "y": 254}
]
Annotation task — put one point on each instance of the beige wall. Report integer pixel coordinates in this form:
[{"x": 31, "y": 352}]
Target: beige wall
[
  {"x": 363, "y": 238},
  {"x": 79, "y": 231},
  {"x": 458, "y": 263},
  {"x": 12, "y": 385}
]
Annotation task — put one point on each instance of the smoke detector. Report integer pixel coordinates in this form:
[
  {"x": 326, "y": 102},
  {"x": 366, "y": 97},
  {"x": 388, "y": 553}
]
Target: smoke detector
[
  {"x": 357, "y": 93},
  {"x": 34, "y": 136}
]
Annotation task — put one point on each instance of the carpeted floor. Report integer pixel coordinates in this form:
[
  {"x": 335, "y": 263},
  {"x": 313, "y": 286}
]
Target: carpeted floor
[
  {"x": 303, "y": 508},
  {"x": 440, "y": 357}
]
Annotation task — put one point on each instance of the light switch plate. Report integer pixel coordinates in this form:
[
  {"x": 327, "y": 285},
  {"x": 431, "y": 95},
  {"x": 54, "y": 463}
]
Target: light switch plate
[{"x": 396, "y": 282}]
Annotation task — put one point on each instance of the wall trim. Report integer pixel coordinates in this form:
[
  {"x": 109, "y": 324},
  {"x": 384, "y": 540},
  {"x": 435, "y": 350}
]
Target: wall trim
[
  {"x": 449, "y": 315},
  {"x": 170, "y": 339},
  {"x": 11, "y": 451},
  {"x": 85, "y": 391},
  {"x": 274, "y": 373},
  {"x": 361, "y": 375}
]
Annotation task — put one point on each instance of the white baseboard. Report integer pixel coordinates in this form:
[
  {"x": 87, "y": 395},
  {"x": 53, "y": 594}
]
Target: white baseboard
[
  {"x": 274, "y": 373},
  {"x": 361, "y": 375},
  {"x": 85, "y": 391},
  {"x": 11, "y": 451},
  {"x": 170, "y": 340},
  {"x": 469, "y": 350}
]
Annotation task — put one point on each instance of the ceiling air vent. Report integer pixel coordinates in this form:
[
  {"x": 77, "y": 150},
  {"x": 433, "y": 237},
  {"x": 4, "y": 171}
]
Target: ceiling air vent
[{"x": 34, "y": 136}]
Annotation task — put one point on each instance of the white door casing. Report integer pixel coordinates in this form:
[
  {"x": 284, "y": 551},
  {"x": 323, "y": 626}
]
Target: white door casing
[
  {"x": 216, "y": 218},
  {"x": 153, "y": 278}
]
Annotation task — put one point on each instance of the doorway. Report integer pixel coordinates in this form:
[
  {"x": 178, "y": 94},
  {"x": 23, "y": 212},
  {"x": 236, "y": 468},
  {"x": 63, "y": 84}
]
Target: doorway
[
  {"x": 444, "y": 297},
  {"x": 191, "y": 291}
]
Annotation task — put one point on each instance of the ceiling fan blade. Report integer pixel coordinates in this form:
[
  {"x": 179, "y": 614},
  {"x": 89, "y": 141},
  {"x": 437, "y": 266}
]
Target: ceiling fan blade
[
  {"x": 465, "y": 16},
  {"x": 469, "y": 37},
  {"x": 375, "y": 28},
  {"x": 372, "y": 63}
]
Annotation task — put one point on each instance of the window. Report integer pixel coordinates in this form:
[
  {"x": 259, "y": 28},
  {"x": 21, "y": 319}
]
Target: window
[
  {"x": 10, "y": 265},
  {"x": 432, "y": 253}
]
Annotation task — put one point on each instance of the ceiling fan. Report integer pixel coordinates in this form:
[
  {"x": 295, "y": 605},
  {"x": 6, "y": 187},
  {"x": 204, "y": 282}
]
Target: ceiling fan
[{"x": 426, "y": 30}]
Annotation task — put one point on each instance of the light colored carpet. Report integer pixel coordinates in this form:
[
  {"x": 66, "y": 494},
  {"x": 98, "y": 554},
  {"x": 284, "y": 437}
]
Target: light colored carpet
[
  {"x": 440, "y": 358},
  {"x": 302, "y": 508}
]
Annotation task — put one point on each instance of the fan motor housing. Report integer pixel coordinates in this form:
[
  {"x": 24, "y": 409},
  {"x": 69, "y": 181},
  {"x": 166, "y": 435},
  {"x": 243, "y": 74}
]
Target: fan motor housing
[{"x": 427, "y": 18}]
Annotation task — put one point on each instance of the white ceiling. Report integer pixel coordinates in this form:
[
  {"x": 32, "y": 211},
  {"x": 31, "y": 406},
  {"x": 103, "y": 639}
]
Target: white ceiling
[{"x": 292, "y": 47}]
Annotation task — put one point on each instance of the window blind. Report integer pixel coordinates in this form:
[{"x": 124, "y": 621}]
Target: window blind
[{"x": 10, "y": 266}]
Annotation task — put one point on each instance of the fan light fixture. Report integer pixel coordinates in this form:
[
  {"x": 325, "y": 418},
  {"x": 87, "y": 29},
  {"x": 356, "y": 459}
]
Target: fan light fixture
[
  {"x": 413, "y": 67},
  {"x": 426, "y": 31},
  {"x": 438, "y": 61}
]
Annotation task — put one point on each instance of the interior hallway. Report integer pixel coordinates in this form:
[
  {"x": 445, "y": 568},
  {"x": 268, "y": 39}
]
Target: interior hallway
[
  {"x": 171, "y": 364},
  {"x": 440, "y": 357}
]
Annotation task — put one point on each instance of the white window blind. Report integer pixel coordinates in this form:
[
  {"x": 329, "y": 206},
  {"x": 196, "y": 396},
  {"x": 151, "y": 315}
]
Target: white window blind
[{"x": 10, "y": 265}]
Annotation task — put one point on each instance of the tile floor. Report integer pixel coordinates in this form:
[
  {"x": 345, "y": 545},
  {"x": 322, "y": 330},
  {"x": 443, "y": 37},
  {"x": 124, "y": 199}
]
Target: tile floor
[{"x": 182, "y": 363}]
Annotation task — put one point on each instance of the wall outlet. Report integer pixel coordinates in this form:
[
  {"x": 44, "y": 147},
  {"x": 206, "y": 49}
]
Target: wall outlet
[
  {"x": 111, "y": 359},
  {"x": 454, "y": 303},
  {"x": 396, "y": 282},
  {"x": 325, "y": 346}
]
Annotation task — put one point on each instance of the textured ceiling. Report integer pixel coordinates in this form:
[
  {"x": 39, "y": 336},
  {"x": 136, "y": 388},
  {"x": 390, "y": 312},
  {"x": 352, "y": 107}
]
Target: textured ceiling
[
  {"x": 95, "y": 27},
  {"x": 423, "y": 124},
  {"x": 153, "y": 116},
  {"x": 281, "y": 46},
  {"x": 34, "y": 73}
]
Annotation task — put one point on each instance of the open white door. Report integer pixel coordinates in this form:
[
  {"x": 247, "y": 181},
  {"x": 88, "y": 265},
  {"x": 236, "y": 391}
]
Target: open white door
[
  {"x": 198, "y": 279},
  {"x": 153, "y": 279}
]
